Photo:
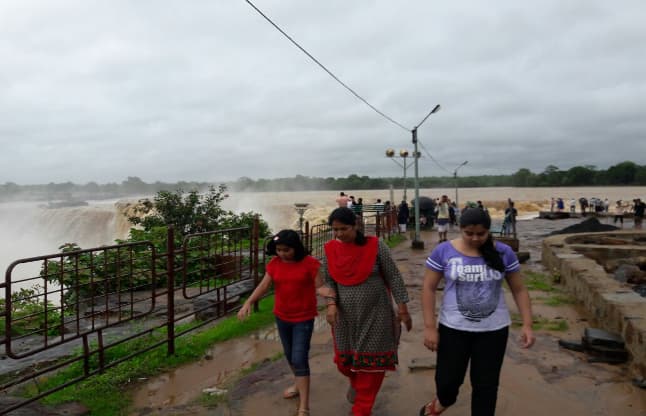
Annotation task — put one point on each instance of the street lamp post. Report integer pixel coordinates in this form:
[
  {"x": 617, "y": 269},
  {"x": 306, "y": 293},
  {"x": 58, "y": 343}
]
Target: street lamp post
[
  {"x": 455, "y": 177},
  {"x": 301, "y": 207},
  {"x": 417, "y": 242},
  {"x": 403, "y": 153}
]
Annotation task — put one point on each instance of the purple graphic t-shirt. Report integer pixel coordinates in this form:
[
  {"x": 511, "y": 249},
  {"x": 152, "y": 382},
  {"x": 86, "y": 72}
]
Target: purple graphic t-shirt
[{"x": 473, "y": 297}]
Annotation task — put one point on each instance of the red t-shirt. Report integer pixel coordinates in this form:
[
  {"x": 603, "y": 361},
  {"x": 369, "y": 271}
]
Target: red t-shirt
[{"x": 295, "y": 288}]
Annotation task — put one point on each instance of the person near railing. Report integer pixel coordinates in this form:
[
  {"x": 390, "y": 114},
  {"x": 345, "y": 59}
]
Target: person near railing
[
  {"x": 403, "y": 216},
  {"x": 295, "y": 276},
  {"x": 362, "y": 275}
]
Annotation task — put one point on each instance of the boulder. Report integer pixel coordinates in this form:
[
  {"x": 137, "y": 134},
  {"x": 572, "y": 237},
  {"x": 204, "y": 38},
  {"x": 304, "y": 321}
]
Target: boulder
[{"x": 589, "y": 225}]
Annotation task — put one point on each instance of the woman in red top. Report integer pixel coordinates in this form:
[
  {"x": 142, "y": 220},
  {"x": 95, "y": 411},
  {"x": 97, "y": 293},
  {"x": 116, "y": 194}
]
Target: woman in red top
[{"x": 295, "y": 278}]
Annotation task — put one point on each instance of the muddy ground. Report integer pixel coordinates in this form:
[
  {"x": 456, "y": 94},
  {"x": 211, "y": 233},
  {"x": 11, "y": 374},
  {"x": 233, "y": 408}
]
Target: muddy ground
[{"x": 542, "y": 380}]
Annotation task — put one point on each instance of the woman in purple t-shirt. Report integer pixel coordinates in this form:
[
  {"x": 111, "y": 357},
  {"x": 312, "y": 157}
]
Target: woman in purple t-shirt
[{"x": 474, "y": 319}]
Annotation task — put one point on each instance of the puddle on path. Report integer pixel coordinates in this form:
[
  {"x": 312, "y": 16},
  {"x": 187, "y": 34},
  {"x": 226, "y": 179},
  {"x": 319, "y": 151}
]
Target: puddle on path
[{"x": 183, "y": 385}]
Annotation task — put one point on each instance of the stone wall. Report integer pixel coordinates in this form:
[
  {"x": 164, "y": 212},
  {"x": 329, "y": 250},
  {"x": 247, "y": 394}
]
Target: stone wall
[{"x": 612, "y": 305}]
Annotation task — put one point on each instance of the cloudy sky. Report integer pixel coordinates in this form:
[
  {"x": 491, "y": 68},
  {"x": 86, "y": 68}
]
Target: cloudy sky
[{"x": 209, "y": 90}]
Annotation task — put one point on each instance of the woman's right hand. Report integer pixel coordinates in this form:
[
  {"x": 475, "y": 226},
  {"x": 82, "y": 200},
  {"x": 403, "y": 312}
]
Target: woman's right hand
[
  {"x": 245, "y": 311},
  {"x": 431, "y": 338},
  {"x": 331, "y": 315}
]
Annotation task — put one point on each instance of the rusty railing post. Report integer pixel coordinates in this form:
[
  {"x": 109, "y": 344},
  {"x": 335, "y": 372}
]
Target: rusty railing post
[
  {"x": 308, "y": 238},
  {"x": 255, "y": 246},
  {"x": 170, "y": 269}
]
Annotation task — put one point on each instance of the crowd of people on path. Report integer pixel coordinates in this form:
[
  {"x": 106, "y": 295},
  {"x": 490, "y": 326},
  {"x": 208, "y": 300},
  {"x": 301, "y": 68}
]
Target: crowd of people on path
[
  {"x": 618, "y": 209},
  {"x": 366, "y": 307}
]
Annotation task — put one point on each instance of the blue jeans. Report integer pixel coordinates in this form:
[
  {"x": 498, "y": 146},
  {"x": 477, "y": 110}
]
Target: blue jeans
[{"x": 296, "y": 337}]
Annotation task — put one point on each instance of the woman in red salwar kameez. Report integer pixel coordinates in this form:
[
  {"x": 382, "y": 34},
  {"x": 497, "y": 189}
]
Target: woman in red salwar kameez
[{"x": 362, "y": 275}]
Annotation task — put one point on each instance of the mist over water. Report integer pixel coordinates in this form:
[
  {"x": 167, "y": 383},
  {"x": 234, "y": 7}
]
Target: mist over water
[{"x": 28, "y": 229}]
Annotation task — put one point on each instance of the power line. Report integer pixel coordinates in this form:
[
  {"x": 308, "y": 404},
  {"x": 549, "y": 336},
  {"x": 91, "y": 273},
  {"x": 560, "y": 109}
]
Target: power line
[
  {"x": 325, "y": 69},
  {"x": 432, "y": 158}
]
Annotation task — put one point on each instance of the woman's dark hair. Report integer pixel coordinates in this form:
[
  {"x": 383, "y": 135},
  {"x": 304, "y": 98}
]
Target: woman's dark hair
[
  {"x": 289, "y": 238},
  {"x": 477, "y": 216},
  {"x": 348, "y": 217}
]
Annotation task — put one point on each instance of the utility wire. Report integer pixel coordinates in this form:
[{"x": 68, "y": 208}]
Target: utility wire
[
  {"x": 325, "y": 69},
  {"x": 432, "y": 158}
]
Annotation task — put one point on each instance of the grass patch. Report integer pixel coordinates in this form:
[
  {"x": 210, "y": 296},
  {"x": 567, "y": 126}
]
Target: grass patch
[
  {"x": 538, "y": 281},
  {"x": 541, "y": 323},
  {"x": 103, "y": 394},
  {"x": 557, "y": 299},
  {"x": 395, "y": 239}
]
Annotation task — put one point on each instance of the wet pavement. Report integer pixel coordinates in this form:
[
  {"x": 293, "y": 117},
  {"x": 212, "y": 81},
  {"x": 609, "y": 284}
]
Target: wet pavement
[{"x": 542, "y": 380}]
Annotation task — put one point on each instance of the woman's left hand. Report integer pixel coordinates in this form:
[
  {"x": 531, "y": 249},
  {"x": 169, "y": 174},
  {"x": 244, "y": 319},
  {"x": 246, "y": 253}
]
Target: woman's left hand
[
  {"x": 527, "y": 337},
  {"x": 404, "y": 318}
]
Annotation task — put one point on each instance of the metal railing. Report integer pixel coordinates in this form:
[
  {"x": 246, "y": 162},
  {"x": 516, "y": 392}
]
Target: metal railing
[
  {"x": 86, "y": 294},
  {"x": 86, "y": 297}
]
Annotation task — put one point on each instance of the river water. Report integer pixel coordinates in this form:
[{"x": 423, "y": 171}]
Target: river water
[
  {"x": 278, "y": 209},
  {"x": 29, "y": 229}
]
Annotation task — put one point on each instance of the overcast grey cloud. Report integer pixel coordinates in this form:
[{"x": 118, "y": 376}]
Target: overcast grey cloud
[{"x": 208, "y": 90}]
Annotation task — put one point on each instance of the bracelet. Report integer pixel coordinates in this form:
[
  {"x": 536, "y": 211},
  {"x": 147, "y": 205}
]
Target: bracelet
[{"x": 403, "y": 313}]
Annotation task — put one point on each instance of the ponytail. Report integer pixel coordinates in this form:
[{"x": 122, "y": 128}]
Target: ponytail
[{"x": 491, "y": 256}]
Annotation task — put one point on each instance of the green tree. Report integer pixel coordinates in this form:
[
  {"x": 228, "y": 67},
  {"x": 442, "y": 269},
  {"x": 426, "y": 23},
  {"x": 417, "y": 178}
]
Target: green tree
[
  {"x": 523, "y": 177},
  {"x": 579, "y": 175},
  {"x": 189, "y": 212},
  {"x": 551, "y": 176},
  {"x": 622, "y": 173}
]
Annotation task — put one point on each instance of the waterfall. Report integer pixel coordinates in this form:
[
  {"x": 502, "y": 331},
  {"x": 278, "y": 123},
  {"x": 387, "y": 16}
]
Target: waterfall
[{"x": 31, "y": 229}]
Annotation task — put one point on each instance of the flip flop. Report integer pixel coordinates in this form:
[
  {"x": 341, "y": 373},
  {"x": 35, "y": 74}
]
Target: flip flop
[
  {"x": 429, "y": 409},
  {"x": 290, "y": 392}
]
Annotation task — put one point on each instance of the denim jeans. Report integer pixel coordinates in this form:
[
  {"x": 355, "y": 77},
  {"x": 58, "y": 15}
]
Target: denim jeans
[{"x": 296, "y": 337}]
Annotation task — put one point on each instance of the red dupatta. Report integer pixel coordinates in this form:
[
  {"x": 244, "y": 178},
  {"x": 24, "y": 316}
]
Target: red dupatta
[{"x": 350, "y": 264}]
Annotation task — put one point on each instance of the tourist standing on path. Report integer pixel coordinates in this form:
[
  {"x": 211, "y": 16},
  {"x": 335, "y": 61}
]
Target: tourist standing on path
[
  {"x": 453, "y": 215},
  {"x": 572, "y": 206},
  {"x": 443, "y": 217},
  {"x": 362, "y": 274},
  {"x": 638, "y": 209},
  {"x": 295, "y": 277},
  {"x": 584, "y": 205},
  {"x": 620, "y": 210},
  {"x": 351, "y": 202},
  {"x": 474, "y": 319},
  {"x": 342, "y": 200},
  {"x": 403, "y": 215},
  {"x": 358, "y": 207},
  {"x": 509, "y": 222},
  {"x": 379, "y": 206}
]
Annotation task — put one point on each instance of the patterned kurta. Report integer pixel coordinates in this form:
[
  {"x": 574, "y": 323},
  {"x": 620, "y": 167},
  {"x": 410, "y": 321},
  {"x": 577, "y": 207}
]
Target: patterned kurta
[{"x": 364, "y": 334}]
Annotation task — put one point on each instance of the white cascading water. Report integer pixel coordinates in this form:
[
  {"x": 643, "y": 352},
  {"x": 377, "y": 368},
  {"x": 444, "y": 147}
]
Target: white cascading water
[{"x": 30, "y": 229}]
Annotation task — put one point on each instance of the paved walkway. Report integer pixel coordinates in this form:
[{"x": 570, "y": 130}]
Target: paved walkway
[{"x": 542, "y": 380}]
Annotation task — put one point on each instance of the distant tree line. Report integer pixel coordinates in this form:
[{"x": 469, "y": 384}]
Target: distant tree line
[
  {"x": 622, "y": 174},
  {"x": 68, "y": 191}
]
